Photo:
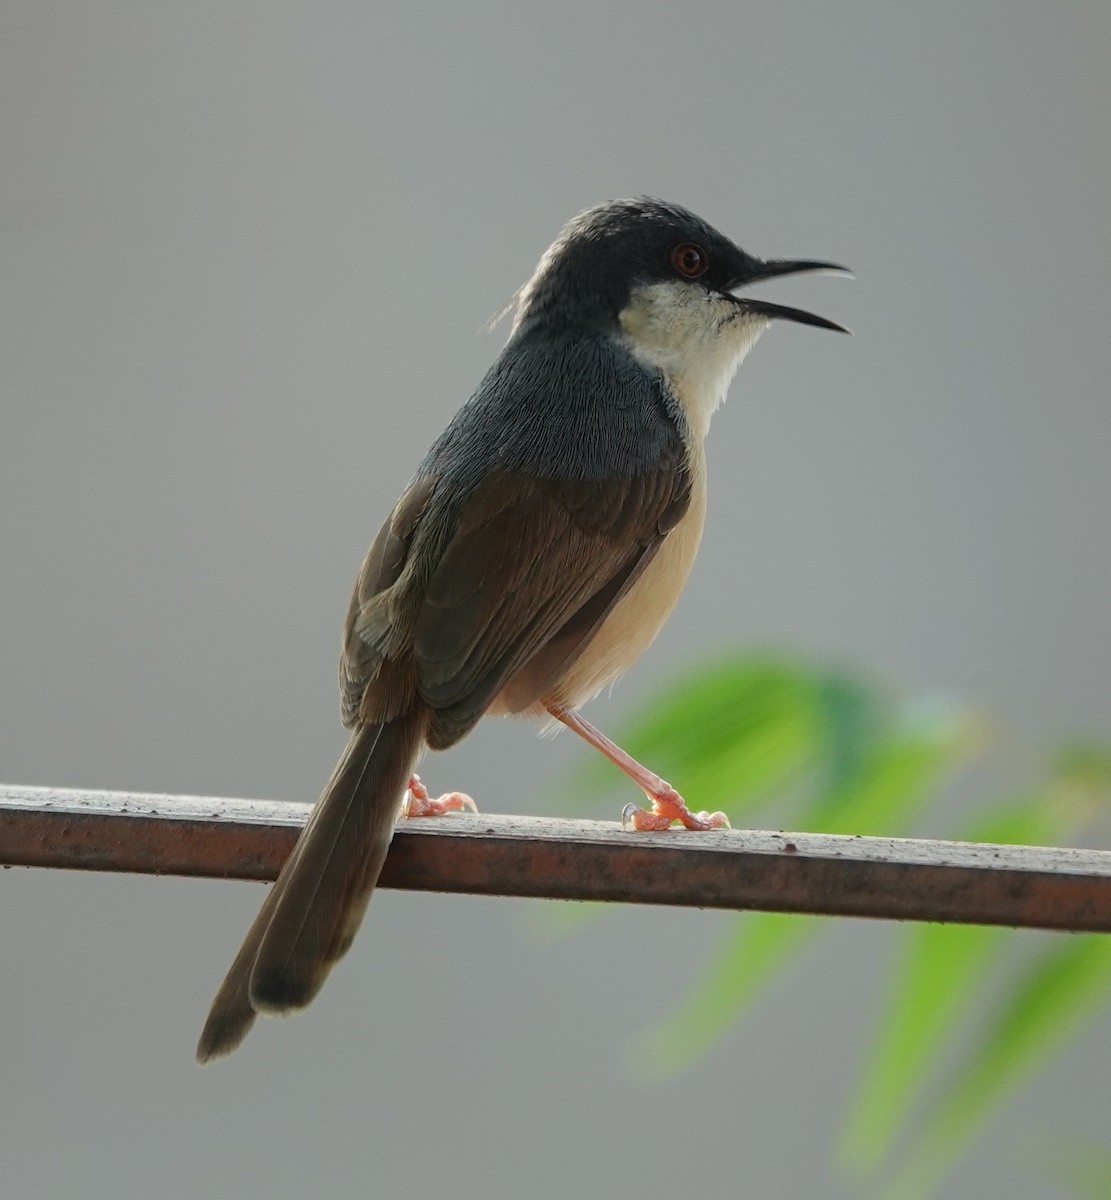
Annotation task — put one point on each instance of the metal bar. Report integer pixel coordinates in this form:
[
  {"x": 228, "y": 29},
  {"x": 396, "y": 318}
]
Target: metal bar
[{"x": 972, "y": 883}]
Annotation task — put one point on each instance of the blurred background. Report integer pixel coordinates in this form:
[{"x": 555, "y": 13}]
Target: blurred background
[{"x": 248, "y": 256}]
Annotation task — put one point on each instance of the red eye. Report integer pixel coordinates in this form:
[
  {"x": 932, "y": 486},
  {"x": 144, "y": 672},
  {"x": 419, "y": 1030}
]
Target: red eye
[{"x": 690, "y": 260}]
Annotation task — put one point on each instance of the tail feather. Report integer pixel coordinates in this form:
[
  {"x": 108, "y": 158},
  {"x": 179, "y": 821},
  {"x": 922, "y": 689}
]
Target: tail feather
[
  {"x": 313, "y": 911},
  {"x": 231, "y": 1015}
]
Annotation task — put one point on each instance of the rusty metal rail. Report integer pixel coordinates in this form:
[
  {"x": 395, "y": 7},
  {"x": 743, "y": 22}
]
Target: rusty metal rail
[{"x": 971, "y": 883}]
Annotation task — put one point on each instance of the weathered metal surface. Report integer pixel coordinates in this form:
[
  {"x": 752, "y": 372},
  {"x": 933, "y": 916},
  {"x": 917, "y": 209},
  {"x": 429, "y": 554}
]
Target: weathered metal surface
[{"x": 1041, "y": 887}]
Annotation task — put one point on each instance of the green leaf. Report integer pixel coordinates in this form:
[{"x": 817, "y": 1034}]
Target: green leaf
[
  {"x": 936, "y": 976},
  {"x": 758, "y": 946},
  {"x": 901, "y": 770},
  {"x": 1083, "y": 1165},
  {"x": 1067, "y": 985},
  {"x": 853, "y": 718},
  {"x": 941, "y": 972},
  {"x": 1086, "y": 763}
]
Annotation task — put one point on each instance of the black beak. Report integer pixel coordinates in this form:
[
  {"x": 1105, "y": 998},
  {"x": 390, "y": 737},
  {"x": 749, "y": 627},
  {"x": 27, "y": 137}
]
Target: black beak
[{"x": 756, "y": 269}]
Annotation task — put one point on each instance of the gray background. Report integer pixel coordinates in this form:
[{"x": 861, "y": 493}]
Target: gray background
[{"x": 247, "y": 254}]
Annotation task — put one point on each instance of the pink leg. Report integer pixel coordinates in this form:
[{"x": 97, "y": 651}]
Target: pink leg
[
  {"x": 667, "y": 804},
  {"x": 418, "y": 803}
]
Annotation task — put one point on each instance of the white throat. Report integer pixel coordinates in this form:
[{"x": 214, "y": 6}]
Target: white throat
[{"x": 696, "y": 339}]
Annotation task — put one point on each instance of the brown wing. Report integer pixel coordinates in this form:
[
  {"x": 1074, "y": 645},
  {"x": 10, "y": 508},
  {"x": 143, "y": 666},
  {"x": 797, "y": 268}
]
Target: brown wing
[
  {"x": 362, "y": 656},
  {"x": 533, "y": 567},
  {"x": 530, "y": 569}
]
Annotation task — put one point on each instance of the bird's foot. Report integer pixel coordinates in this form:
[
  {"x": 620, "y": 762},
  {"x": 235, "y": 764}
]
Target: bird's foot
[
  {"x": 667, "y": 808},
  {"x": 418, "y": 803},
  {"x": 667, "y": 804}
]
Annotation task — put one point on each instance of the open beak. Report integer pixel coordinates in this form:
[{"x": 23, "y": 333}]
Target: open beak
[{"x": 756, "y": 269}]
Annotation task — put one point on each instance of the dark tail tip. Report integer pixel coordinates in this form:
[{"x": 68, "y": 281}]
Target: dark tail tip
[
  {"x": 277, "y": 993},
  {"x": 221, "y": 1035}
]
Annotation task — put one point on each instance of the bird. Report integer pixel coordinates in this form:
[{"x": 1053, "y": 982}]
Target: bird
[{"x": 533, "y": 557}]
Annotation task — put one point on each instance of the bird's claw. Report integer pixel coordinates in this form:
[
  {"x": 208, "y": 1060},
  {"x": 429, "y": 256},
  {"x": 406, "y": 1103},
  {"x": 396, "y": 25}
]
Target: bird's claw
[
  {"x": 668, "y": 808},
  {"x": 418, "y": 803}
]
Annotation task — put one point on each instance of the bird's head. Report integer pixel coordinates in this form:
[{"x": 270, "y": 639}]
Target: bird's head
[{"x": 666, "y": 283}]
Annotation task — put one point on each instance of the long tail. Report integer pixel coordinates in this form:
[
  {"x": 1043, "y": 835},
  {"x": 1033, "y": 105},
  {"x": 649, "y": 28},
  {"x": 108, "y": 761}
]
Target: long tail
[{"x": 313, "y": 911}]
